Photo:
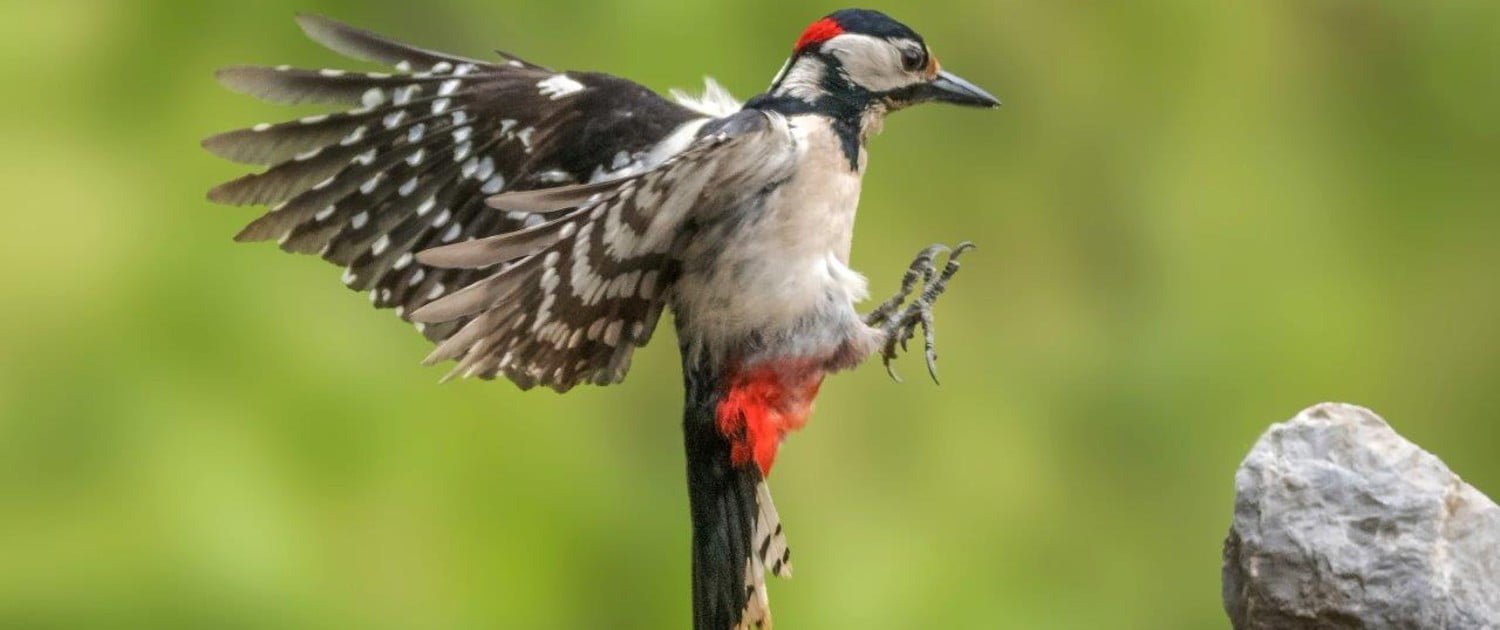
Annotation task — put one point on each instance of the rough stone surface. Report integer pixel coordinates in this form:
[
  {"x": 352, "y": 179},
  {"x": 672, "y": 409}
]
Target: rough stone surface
[{"x": 1341, "y": 523}]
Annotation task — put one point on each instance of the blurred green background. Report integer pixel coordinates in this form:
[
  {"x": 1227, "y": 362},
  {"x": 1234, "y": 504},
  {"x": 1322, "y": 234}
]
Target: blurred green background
[{"x": 1195, "y": 219}]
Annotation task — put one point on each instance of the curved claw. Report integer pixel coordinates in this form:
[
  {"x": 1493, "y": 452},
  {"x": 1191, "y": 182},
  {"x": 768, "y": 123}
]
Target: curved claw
[
  {"x": 930, "y": 343},
  {"x": 929, "y": 270},
  {"x": 891, "y": 370},
  {"x": 899, "y": 323},
  {"x": 922, "y": 268}
]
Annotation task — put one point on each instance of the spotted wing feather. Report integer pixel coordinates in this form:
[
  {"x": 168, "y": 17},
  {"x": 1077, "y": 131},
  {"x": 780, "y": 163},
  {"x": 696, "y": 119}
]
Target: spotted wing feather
[{"x": 409, "y": 165}]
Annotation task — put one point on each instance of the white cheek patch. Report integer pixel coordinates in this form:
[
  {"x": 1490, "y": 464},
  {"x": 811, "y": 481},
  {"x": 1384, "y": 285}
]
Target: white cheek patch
[
  {"x": 871, "y": 63},
  {"x": 804, "y": 79}
]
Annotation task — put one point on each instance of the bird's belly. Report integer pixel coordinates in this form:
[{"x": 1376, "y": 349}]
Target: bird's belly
[{"x": 778, "y": 286}]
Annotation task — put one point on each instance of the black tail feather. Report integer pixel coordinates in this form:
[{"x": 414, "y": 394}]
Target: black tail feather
[{"x": 723, "y": 504}]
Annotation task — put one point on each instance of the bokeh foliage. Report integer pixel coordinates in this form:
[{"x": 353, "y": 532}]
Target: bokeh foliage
[{"x": 1195, "y": 218}]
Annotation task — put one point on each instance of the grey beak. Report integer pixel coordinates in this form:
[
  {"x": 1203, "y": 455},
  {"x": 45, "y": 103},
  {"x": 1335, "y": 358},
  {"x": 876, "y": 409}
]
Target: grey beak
[{"x": 950, "y": 88}]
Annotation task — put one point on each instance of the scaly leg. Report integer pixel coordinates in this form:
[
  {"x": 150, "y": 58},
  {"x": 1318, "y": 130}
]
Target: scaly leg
[{"x": 899, "y": 323}]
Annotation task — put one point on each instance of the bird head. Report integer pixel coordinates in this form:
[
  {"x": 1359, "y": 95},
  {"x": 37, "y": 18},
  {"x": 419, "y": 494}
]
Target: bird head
[{"x": 865, "y": 61}]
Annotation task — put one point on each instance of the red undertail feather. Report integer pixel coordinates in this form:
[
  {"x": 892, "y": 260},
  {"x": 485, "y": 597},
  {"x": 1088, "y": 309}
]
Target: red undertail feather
[{"x": 763, "y": 405}]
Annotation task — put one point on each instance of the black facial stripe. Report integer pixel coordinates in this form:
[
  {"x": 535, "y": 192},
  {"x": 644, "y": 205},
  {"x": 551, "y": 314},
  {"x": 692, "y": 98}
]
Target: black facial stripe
[
  {"x": 906, "y": 94},
  {"x": 845, "y": 103},
  {"x": 841, "y": 101}
]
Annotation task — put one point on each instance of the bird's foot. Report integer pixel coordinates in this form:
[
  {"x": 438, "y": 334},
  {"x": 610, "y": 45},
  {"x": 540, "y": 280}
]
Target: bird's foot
[{"x": 899, "y": 319}]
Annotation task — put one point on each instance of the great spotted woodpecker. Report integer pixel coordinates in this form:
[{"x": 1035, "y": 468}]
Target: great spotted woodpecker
[{"x": 535, "y": 223}]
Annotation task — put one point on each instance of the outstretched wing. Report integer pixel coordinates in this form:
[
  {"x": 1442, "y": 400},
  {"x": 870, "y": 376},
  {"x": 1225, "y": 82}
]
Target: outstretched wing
[
  {"x": 568, "y": 300},
  {"x": 408, "y": 167}
]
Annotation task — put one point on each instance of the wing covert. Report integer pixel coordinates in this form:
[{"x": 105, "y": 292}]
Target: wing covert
[{"x": 569, "y": 299}]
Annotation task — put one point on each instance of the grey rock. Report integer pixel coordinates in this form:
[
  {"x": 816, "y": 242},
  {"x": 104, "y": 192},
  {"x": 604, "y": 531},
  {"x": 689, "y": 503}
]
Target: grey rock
[{"x": 1339, "y": 522}]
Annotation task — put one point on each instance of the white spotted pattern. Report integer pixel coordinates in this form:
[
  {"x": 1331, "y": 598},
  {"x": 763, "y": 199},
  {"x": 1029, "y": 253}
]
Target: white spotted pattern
[
  {"x": 559, "y": 86},
  {"x": 373, "y": 97},
  {"x": 354, "y": 137},
  {"x": 493, "y": 185}
]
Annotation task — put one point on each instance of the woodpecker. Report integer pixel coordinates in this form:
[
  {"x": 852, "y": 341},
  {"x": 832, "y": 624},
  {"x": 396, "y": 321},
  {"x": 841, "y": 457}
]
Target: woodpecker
[{"x": 534, "y": 224}]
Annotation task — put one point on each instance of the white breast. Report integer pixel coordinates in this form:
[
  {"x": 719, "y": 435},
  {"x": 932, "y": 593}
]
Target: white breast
[{"x": 785, "y": 273}]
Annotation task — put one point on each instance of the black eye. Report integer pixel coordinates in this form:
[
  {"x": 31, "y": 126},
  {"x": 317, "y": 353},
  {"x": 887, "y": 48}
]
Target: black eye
[{"x": 913, "y": 60}]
